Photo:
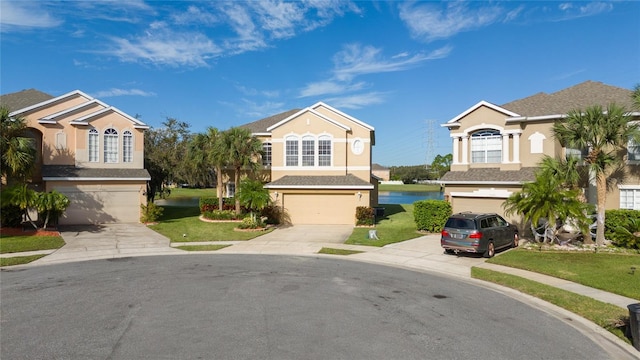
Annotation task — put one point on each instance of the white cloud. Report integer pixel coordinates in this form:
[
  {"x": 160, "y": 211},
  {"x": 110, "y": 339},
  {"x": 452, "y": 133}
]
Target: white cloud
[
  {"x": 256, "y": 110},
  {"x": 162, "y": 46},
  {"x": 431, "y": 21},
  {"x": 356, "y": 101},
  {"x": 195, "y": 15},
  {"x": 122, "y": 92},
  {"x": 25, "y": 15}
]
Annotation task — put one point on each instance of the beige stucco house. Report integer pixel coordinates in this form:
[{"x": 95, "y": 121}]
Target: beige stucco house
[
  {"x": 496, "y": 148},
  {"x": 87, "y": 150},
  {"x": 317, "y": 164}
]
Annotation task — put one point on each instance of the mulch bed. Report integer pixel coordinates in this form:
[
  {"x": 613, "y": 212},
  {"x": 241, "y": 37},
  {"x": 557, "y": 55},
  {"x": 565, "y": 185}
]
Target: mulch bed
[{"x": 28, "y": 232}]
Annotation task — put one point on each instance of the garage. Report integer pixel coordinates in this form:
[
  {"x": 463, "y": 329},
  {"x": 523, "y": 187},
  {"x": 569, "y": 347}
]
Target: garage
[
  {"x": 335, "y": 208},
  {"x": 98, "y": 204}
]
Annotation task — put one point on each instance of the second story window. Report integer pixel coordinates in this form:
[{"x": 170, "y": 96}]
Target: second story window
[
  {"x": 324, "y": 151},
  {"x": 291, "y": 151},
  {"x": 110, "y": 146},
  {"x": 486, "y": 147},
  {"x": 266, "y": 154},
  {"x": 94, "y": 147},
  {"x": 308, "y": 151},
  {"x": 127, "y": 146},
  {"x": 633, "y": 151}
]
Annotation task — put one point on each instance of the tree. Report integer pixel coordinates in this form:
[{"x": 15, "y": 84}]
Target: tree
[
  {"x": 636, "y": 97},
  {"x": 208, "y": 151},
  {"x": 547, "y": 199},
  {"x": 604, "y": 134},
  {"x": 164, "y": 151},
  {"x": 21, "y": 196},
  {"x": 441, "y": 164},
  {"x": 17, "y": 150},
  {"x": 253, "y": 196},
  {"x": 52, "y": 204},
  {"x": 242, "y": 151}
]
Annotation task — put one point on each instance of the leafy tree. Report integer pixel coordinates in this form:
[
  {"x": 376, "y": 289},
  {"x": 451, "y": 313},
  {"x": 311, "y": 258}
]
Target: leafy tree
[
  {"x": 409, "y": 173},
  {"x": 21, "y": 196},
  {"x": 441, "y": 164},
  {"x": 636, "y": 97},
  {"x": 252, "y": 195},
  {"x": 242, "y": 151},
  {"x": 52, "y": 204},
  {"x": 604, "y": 134},
  {"x": 17, "y": 150},
  {"x": 547, "y": 199},
  {"x": 164, "y": 152},
  {"x": 208, "y": 150}
]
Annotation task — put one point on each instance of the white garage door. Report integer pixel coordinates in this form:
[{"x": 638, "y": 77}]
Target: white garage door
[
  {"x": 96, "y": 205},
  {"x": 320, "y": 208}
]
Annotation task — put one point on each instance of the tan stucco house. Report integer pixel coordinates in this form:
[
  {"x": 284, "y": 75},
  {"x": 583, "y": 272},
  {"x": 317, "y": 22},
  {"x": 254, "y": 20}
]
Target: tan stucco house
[
  {"x": 87, "y": 150},
  {"x": 383, "y": 173},
  {"x": 497, "y": 148},
  {"x": 317, "y": 164}
]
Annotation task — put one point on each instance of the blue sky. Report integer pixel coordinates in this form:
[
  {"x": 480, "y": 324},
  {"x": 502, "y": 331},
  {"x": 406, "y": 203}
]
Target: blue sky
[{"x": 403, "y": 67}]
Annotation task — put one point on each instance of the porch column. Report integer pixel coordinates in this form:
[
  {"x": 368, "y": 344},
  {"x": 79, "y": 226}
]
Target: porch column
[
  {"x": 456, "y": 143},
  {"x": 505, "y": 148},
  {"x": 516, "y": 147},
  {"x": 465, "y": 150}
]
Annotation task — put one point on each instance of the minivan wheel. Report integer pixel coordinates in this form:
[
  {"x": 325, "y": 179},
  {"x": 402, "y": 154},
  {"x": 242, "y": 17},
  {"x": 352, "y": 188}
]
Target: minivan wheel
[
  {"x": 516, "y": 241},
  {"x": 449, "y": 251},
  {"x": 491, "y": 250}
]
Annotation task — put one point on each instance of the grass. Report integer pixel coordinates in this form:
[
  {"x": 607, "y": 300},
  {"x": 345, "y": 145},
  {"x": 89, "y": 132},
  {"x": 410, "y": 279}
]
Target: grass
[
  {"x": 604, "y": 271},
  {"x": 202, "y": 247},
  {"x": 182, "y": 224},
  {"x": 607, "y": 316},
  {"x": 19, "y": 260},
  {"x": 397, "y": 225},
  {"x": 408, "y": 187},
  {"x": 332, "y": 251},
  {"x": 20, "y": 243},
  {"x": 192, "y": 193}
]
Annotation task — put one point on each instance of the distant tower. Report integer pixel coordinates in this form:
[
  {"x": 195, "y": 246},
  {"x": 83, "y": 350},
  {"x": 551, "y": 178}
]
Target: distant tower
[{"x": 430, "y": 155}]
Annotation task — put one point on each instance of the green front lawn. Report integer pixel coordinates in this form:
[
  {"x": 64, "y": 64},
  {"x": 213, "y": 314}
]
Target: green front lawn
[
  {"x": 604, "y": 271},
  {"x": 182, "y": 224},
  {"x": 20, "y": 243},
  {"x": 396, "y": 226},
  {"x": 408, "y": 187}
]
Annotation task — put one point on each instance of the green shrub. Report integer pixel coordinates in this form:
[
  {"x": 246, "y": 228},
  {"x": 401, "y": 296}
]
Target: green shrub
[
  {"x": 622, "y": 227},
  {"x": 10, "y": 216},
  {"x": 272, "y": 213},
  {"x": 151, "y": 212},
  {"x": 365, "y": 215},
  {"x": 431, "y": 215},
  {"x": 251, "y": 222},
  {"x": 220, "y": 215},
  {"x": 207, "y": 204}
]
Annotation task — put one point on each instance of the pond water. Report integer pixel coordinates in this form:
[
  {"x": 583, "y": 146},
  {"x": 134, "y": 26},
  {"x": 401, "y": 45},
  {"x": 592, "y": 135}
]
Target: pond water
[
  {"x": 384, "y": 197},
  {"x": 407, "y": 197}
]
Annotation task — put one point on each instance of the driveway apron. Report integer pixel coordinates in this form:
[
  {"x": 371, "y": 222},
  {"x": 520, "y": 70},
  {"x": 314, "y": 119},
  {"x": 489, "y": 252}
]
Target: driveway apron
[{"x": 89, "y": 242}]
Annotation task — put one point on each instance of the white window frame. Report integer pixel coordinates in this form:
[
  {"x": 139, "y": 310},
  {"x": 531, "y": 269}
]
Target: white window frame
[
  {"x": 325, "y": 153},
  {"x": 488, "y": 143},
  {"x": 308, "y": 153},
  {"x": 127, "y": 146},
  {"x": 94, "y": 145},
  {"x": 111, "y": 145},
  {"x": 629, "y": 197},
  {"x": 292, "y": 151},
  {"x": 267, "y": 153},
  {"x": 633, "y": 152}
]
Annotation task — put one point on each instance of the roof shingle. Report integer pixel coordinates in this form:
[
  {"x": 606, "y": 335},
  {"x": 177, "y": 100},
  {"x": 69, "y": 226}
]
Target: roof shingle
[
  {"x": 330, "y": 181},
  {"x": 22, "y": 99},
  {"x": 261, "y": 126},
  {"x": 526, "y": 174},
  {"x": 70, "y": 171}
]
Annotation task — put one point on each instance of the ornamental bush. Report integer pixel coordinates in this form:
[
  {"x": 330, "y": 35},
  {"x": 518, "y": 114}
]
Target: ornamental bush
[
  {"x": 220, "y": 215},
  {"x": 365, "y": 215},
  {"x": 208, "y": 204},
  {"x": 431, "y": 215},
  {"x": 622, "y": 227},
  {"x": 251, "y": 222},
  {"x": 150, "y": 213}
]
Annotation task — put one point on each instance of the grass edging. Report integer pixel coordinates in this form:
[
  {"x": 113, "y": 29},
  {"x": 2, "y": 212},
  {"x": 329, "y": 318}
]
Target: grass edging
[
  {"x": 210, "y": 247},
  {"x": 19, "y": 260},
  {"x": 609, "y": 317},
  {"x": 333, "y": 251}
]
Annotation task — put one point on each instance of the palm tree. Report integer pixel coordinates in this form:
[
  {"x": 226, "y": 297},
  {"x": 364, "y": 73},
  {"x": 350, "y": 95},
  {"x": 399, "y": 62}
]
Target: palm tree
[
  {"x": 208, "y": 151},
  {"x": 18, "y": 153},
  {"x": 604, "y": 134},
  {"x": 253, "y": 196},
  {"x": 52, "y": 204},
  {"x": 21, "y": 196},
  {"x": 636, "y": 96},
  {"x": 243, "y": 151}
]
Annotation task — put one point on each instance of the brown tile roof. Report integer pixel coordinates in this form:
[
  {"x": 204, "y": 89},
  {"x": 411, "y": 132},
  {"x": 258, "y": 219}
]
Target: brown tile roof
[
  {"x": 70, "y": 171},
  {"x": 260, "y": 126},
  {"x": 378, "y": 167},
  {"x": 349, "y": 180},
  {"x": 22, "y": 99},
  {"x": 577, "y": 97},
  {"x": 484, "y": 175}
]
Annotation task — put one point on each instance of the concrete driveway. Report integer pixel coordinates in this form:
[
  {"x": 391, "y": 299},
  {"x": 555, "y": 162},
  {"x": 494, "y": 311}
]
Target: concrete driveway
[{"x": 90, "y": 242}]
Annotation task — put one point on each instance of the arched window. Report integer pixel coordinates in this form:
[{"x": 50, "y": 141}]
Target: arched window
[
  {"x": 266, "y": 154},
  {"x": 94, "y": 147},
  {"x": 308, "y": 151},
  {"x": 291, "y": 151},
  {"x": 486, "y": 147},
  {"x": 127, "y": 146},
  {"x": 110, "y": 146},
  {"x": 324, "y": 150}
]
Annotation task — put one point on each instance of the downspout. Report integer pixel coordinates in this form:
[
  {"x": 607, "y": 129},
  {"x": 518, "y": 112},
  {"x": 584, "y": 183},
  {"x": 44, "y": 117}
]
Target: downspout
[{"x": 346, "y": 153}]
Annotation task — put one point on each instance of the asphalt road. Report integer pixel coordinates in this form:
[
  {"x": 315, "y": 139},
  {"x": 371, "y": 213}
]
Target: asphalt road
[{"x": 267, "y": 307}]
